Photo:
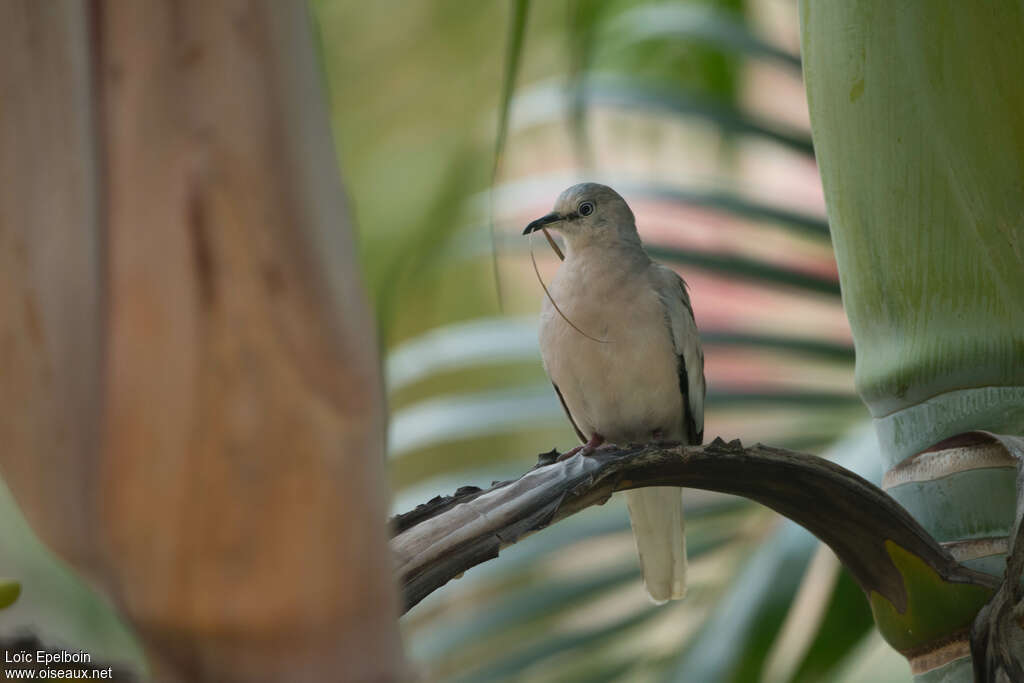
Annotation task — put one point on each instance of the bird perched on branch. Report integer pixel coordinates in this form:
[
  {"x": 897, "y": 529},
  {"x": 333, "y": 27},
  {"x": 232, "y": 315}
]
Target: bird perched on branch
[{"x": 620, "y": 345}]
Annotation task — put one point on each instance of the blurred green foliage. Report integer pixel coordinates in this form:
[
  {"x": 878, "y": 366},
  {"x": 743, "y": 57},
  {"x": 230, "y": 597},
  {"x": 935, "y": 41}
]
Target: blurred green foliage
[
  {"x": 694, "y": 111},
  {"x": 9, "y": 592}
]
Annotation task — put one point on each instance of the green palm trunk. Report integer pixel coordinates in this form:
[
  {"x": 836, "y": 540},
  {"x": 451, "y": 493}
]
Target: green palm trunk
[{"x": 917, "y": 110}]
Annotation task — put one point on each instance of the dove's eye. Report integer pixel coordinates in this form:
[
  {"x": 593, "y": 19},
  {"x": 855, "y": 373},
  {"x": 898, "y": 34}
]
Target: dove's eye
[{"x": 586, "y": 208}]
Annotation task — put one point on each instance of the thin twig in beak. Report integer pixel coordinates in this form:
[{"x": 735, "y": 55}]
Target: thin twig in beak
[
  {"x": 536, "y": 270},
  {"x": 554, "y": 245}
]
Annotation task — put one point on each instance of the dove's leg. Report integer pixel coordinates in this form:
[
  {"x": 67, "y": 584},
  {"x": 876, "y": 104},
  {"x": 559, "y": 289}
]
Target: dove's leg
[{"x": 586, "y": 449}]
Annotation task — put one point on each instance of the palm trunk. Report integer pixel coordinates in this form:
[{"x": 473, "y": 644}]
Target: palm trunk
[
  {"x": 916, "y": 110},
  {"x": 192, "y": 409}
]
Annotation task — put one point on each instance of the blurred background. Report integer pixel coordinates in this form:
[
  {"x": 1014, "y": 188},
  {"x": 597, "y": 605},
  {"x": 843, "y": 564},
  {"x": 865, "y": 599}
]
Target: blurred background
[
  {"x": 456, "y": 123},
  {"x": 694, "y": 110}
]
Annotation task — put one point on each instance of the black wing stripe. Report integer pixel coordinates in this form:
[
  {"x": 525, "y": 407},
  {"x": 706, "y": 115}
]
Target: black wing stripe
[
  {"x": 686, "y": 298},
  {"x": 692, "y": 435},
  {"x": 558, "y": 391}
]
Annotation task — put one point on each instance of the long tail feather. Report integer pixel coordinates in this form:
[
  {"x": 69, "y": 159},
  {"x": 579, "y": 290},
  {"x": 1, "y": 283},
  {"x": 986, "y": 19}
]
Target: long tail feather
[{"x": 656, "y": 515}]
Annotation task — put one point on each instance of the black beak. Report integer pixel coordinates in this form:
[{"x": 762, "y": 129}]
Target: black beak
[{"x": 542, "y": 221}]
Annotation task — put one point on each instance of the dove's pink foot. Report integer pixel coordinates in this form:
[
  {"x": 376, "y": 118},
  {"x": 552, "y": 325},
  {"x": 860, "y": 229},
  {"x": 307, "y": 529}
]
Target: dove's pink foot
[{"x": 586, "y": 449}]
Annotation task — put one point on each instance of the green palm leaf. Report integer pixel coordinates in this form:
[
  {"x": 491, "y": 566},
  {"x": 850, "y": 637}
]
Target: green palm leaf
[
  {"x": 699, "y": 23},
  {"x": 546, "y": 103}
]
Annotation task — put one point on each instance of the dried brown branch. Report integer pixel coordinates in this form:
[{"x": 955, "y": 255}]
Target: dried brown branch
[
  {"x": 997, "y": 635},
  {"x": 446, "y": 536}
]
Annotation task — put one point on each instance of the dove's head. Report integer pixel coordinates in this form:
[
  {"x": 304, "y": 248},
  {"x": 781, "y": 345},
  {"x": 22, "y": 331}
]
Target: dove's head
[{"x": 590, "y": 214}]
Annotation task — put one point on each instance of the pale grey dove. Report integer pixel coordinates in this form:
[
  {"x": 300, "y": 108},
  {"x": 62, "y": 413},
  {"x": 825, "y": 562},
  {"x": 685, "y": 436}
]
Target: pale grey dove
[{"x": 633, "y": 371}]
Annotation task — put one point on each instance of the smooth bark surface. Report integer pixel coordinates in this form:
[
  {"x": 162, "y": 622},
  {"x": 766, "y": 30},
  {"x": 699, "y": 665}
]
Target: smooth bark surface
[
  {"x": 915, "y": 110},
  {"x": 51, "y": 270},
  {"x": 192, "y": 409}
]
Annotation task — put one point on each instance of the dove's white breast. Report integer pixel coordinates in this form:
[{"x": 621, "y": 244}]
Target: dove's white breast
[{"x": 627, "y": 388}]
